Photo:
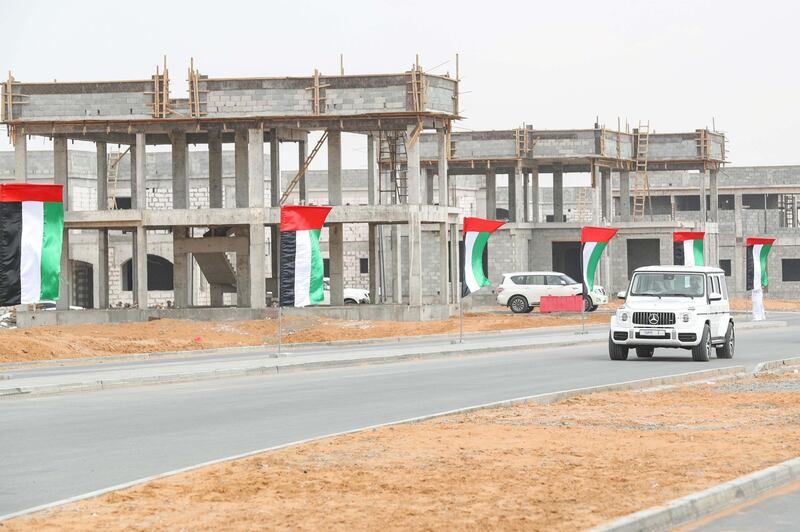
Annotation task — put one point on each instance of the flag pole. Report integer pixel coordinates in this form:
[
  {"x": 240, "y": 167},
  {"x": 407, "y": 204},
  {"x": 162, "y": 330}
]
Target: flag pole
[
  {"x": 280, "y": 323},
  {"x": 460, "y": 314}
]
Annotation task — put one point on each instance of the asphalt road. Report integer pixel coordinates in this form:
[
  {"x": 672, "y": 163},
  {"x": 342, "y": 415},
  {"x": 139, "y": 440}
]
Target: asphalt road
[
  {"x": 777, "y": 513},
  {"x": 54, "y": 447}
]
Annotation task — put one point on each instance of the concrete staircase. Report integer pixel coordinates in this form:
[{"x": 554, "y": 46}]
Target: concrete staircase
[{"x": 217, "y": 270}]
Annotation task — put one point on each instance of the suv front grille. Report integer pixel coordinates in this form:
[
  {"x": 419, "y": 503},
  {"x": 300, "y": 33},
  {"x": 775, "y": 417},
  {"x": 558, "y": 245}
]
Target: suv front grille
[{"x": 654, "y": 318}]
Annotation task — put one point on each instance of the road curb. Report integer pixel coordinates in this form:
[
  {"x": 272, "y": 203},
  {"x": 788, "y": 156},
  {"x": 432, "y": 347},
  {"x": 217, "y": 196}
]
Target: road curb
[
  {"x": 544, "y": 398},
  {"x": 712, "y": 500},
  {"x": 270, "y": 349},
  {"x": 773, "y": 365}
]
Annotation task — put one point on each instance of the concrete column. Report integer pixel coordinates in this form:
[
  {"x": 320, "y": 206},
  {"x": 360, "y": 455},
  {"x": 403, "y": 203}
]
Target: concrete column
[
  {"x": 535, "y": 194},
  {"x": 516, "y": 198},
  {"x": 491, "y": 194},
  {"x": 414, "y": 258},
  {"x": 258, "y": 297},
  {"x": 139, "y": 173},
  {"x": 714, "y": 192},
  {"x": 444, "y": 281},
  {"x": 61, "y": 177},
  {"x": 454, "y": 263},
  {"x": 397, "y": 265},
  {"x": 374, "y": 263},
  {"x": 243, "y": 276},
  {"x": 607, "y": 198},
  {"x": 429, "y": 186},
  {"x": 102, "y": 176},
  {"x": 558, "y": 193},
  {"x": 217, "y": 296},
  {"x": 597, "y": 194},
  {"x": 215, "y": 191},
  {"x": 795, "y": 211},
  {"x": 180, "y": 182},
  {"x": 335, "y": 231},
  {"x": 274, "y": 257},
  {"x": 336, "y": 254},
  {"x": 526, "y": 176},
  {"x": 20, "y": 154},
  {"x": 255, "y": 170},
  {"x": 373, "y": 185},
  {"x": 738, "y": 268},
  {"x": 140, "y": 268},
  {"x": 275, "y": 185},
  {"x": 102, "y": 269},
  {"x": 334, "y": 167},
  {"x": 703, "y": 213},
  {"x": 302, "y": 146},
  {"x": 444, "y": 185},
  {"x": 181, "y": 269},
  {"x": 625, "y": 195},
  {"x": 413, "y": 177},
  {"x": 241, "y": 168}
]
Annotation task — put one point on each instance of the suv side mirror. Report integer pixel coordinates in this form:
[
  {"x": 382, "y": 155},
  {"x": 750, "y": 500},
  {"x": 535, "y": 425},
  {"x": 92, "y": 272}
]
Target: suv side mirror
[
  {"x": 621, "y": 295},
  {"x": 715, "y": 296}
]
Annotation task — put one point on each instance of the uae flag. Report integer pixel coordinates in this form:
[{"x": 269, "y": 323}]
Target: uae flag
[
  {"x": 757, "y": 251},
  {"x": 593, "y": 241},
  {"x": 31, "y": 231},
  {"x": 476, "y": 234},
  {"x": 301, "y": 260},
  {"x": 688, "y": 248}
]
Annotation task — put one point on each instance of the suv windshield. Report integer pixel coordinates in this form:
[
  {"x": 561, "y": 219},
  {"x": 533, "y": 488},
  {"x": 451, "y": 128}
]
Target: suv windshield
[{"x": 666, "y": 284}]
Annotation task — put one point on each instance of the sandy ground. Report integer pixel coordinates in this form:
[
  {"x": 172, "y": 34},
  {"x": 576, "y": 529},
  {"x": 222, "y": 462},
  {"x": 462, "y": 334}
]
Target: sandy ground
[
  {"x": 70, "y": 341},
  {"x": 564, "y": 466}
]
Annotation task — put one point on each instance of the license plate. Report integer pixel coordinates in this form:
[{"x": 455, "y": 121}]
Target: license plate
[{"x": 658, "y": 333}]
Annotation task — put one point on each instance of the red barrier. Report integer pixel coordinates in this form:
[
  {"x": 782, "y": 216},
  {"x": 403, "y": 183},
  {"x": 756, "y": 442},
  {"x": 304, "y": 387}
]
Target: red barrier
[{"x": 561, "y": 304}]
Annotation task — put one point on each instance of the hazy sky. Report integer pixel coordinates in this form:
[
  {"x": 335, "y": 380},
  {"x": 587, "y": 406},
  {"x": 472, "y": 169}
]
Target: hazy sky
[{"x": 552, "y": 64}]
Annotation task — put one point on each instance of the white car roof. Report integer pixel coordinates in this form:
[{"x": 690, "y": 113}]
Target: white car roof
[
  {"x": 533, "y": 273},
  {"x": 696, "y": 269}
]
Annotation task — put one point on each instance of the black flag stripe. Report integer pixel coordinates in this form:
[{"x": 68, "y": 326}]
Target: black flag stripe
[
  {"x": 10, "y": 253},
  {"x": 678, "y": 258},
  {"x": 288, "y": 256}
]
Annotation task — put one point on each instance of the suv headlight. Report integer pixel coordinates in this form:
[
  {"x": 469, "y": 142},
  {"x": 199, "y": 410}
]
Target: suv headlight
[
  {"x": 686, "y": 317},
  {"x": 623, "y": 316}
]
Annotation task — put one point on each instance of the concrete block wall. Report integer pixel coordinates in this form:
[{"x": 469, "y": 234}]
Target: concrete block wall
[
  {"x": 574, "y": 143},
  {"x": 439, "y": 94},
  {"x": 672, "y": 146},
  {"x": 625, "y": 144},
  {"x": 85, "y": 100}
]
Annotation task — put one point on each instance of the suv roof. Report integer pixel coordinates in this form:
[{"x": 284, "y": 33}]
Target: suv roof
[
  {"x": 533, "y": 273},
  {"x": 698, "y": 269}
]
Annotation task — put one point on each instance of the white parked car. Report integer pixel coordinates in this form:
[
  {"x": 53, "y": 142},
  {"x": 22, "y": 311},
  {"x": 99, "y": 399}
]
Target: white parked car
[
  {"x": 352, "y": 296},
  {"x": 674, "y": 306},
  {"x": 521, "y": 291}
]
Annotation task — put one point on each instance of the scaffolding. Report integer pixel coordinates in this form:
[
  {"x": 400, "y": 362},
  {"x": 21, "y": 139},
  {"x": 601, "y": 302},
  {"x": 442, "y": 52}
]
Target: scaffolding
[{"x": 641, "y": 188}]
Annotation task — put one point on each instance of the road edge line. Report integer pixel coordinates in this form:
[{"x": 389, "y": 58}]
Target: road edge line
[{"x": 544, "y": 398}]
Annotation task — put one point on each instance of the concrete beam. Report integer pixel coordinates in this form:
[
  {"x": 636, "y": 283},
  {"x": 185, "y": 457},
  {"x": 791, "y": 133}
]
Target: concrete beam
[
  {"x": 558, "y": 193},
  {"x": 20, "y": 154},
  {"x": 275, "y": 186},
  {"x": 215, "y": 191},
  {"x": 491, "y": 194},
  {"x": 139, "y": 173},
  {"x": 441, "y": 150},
  {"x": 334, "y": 167},
  {"x": 212, "y": 244},
  {"x": 241, "y": 168},
  {"x": 180, "y": 184},
  {"x": 61, "y": 177},
  {"x": 102, "y": 176}
]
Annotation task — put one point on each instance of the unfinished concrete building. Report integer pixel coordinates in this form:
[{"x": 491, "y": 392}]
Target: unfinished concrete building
[{"x": 390, "y": 110}]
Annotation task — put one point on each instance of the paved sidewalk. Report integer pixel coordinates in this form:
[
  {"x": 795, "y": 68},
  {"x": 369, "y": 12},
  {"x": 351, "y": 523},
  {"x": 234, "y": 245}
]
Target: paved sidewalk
[{"x": 183, "y": 367}]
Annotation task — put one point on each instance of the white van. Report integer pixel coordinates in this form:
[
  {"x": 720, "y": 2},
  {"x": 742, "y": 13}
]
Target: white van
[{"x": 674, "y": 306}]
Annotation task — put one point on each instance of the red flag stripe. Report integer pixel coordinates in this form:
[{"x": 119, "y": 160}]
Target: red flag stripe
[
  {"x": 597, "y": 234},
  {"x": 755, "y": 241},
  {"x": 15, "y": 192},
  {"x": 683, "y": 236},
  {"x": 297, "y": 218},
  {"x": 481, "y": 225}
]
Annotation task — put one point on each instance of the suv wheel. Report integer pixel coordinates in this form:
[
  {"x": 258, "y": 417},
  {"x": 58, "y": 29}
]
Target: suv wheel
[
  {"x": 726, "y": 350},
  {"x": 518, "y": 304},
  {"x": 701, "y": 351},
  {"x": 645, "y": 352},
  {"x": 616, "y": 352}
]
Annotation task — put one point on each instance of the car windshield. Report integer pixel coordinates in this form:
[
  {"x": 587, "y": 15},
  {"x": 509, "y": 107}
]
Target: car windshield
[{"x": 667, "y": 284}]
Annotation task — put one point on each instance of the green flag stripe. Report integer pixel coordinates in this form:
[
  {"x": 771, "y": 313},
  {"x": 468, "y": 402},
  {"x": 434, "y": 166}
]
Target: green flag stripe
[
  {"x": 594, "y": 260},
  {"x": 477, "y": 259},
  {"x": 698, "y": 252},
  {"x": 317, "y": 290},
  {"x": 51, "y": 249},
  {"x": 765, "y": 249}
]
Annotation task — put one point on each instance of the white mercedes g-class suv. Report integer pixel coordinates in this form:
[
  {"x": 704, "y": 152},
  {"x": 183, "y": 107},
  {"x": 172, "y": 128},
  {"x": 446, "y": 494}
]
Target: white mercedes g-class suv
[{"x": 683, "y": 307}]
